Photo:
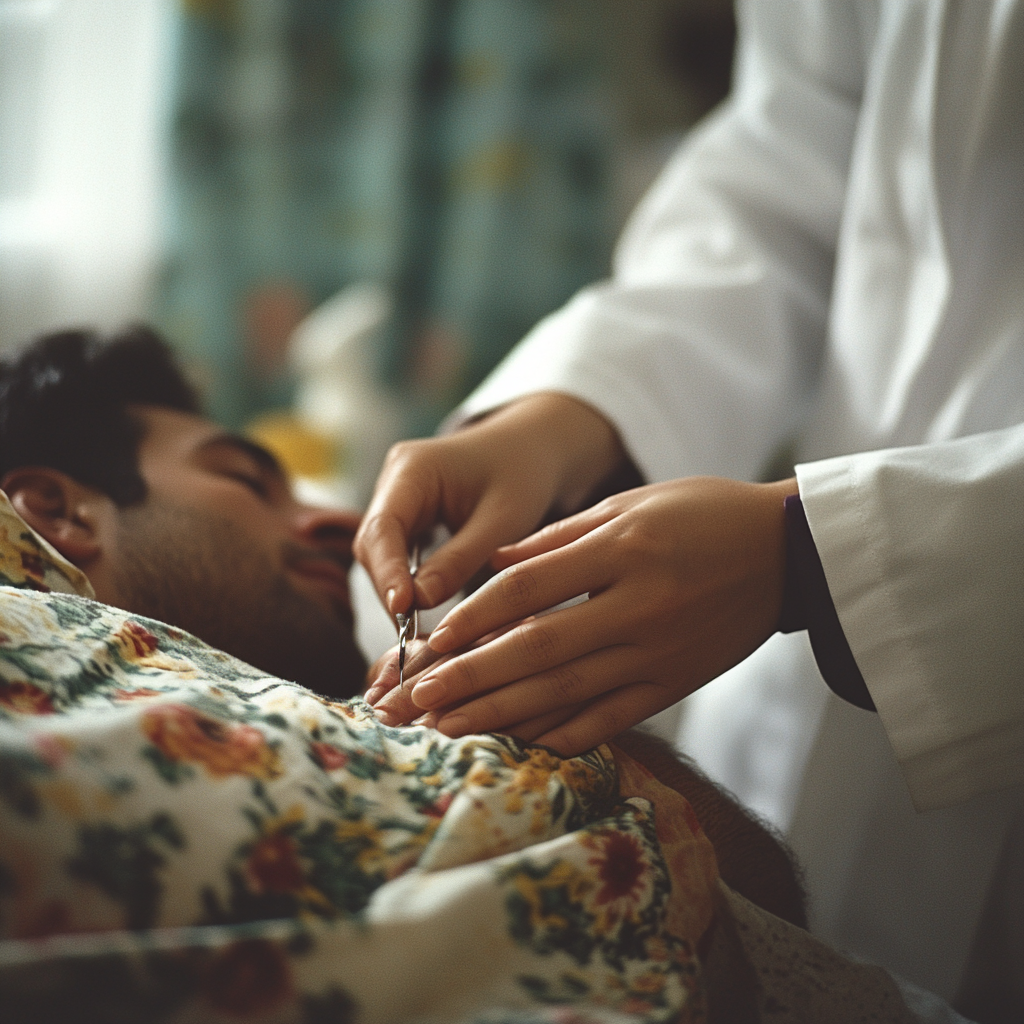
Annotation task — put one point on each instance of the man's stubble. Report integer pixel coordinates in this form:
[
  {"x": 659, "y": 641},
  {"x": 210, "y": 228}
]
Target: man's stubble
[{"x": 194, "y": 570}]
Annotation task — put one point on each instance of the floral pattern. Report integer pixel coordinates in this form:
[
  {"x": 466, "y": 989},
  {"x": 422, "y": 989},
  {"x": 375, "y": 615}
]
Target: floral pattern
[
  {"x": 182, "y": 735},
  {"x": 28, "y": 561},
  {"x": 185, "y": 838}
]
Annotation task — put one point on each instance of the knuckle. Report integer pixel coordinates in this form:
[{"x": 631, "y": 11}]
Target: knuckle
[
  {"x": 538, "y": 643},
  {"x": 372, "y": 529},
  {"x": 485, "y": 712},
  {"x": 518, "y": 587},
  {"x": 566, "y": 684},
  {"x": 462, "y": 621},
  {"x": 419, "y": 657},
  {"x": 637, "y": 539},
  {"x": 551, "y": 530},
  {"x": 401, "y": 453},
  {"x": 463, "y": 677}
]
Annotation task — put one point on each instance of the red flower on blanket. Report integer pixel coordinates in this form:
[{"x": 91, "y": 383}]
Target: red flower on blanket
[
  {"x": 183, "y": 734},
  {"x": 248, "y": 977},
  {"x": 135, "y": 641},
  {"x": 273, "y": 865},
  {"x": 25, "y": 698},
  {"x": 138, "y": 693},
  {"x": 624, "y": 878},
  {"x": 439, "y": 808},
  {"x": 329, "y": 758},
  {"x": 34, "y": 566}
]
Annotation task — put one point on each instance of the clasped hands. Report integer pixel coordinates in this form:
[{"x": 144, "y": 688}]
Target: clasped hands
[{"x": 684, "y": 580}]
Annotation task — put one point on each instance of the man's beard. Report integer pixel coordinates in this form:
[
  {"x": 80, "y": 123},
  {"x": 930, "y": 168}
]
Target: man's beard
[{"x": 195, "y": 571}]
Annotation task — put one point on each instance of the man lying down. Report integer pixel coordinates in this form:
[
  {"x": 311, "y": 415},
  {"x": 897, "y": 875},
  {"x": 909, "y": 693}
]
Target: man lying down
[{"x": 186, "y": 836}]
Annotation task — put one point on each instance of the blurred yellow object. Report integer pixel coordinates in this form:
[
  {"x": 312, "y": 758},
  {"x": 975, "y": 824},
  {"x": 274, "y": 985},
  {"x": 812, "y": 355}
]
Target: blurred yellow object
[{"x": 301, "y": 450}]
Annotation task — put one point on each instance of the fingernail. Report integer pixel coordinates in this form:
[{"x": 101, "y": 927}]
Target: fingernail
[
  {"x": 437, "y": 641},
  {"x": 390, "y": 600},
  {"x": 372, "y": 695},
  {"x": 428, "y": 693},
  {"x": 453, "y": 725}
]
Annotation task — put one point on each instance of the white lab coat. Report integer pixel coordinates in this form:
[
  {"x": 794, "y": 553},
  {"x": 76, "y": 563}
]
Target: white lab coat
[{"x": 835, "y": 261}]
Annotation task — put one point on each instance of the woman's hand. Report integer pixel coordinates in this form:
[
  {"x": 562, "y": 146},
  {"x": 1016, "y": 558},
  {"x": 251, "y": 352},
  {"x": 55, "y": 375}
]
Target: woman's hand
[
  {"x": 685, "y": 580},
  {"x": 393, "y": 704},
  {"x": 490, "y": 484},
  {"x": 383, "y": 681}
]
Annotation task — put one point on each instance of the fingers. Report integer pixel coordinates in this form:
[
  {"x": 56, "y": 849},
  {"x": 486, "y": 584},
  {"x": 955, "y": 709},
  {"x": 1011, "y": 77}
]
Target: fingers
[
  {"x": 489, "y": 483},
  {"x": 564, "y": 686},
  {"x": 517, "y": 592},
  {"x": 382, "y": 677},
  {"x": 448, "y": 568},
  {"x": 528, "y": 731},
  {"x": 382, "y": 546},
  {"x": 605, "y": 717},
  {"x": 534, "y": 646},
  {"x": 394, "y": 705},
  {"x": 405, "y": 503},
  {"x": 552, "y": 536}
]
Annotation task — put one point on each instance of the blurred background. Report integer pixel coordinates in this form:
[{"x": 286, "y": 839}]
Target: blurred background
[{"x": 342, "y": 213}]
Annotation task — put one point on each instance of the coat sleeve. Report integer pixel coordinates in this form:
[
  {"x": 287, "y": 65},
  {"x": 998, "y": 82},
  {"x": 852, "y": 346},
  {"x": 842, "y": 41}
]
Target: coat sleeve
[
  {"x": 923, "y": 550},
  {"x": 704, "y": 345}
]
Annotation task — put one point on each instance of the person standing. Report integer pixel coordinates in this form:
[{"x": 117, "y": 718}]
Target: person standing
[{"x": 832, "y": 263}]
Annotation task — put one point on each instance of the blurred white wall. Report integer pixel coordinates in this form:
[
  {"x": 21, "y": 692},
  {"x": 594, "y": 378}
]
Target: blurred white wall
[{"x": 82, "y": 133}]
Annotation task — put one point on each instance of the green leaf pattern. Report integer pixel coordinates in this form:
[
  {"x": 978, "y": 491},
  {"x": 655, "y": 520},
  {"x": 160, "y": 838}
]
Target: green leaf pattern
[{"x": 195, "y": 840}]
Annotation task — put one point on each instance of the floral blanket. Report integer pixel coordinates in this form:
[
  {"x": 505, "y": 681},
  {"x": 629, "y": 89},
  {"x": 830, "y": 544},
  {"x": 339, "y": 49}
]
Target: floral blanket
[{"x": 183, "y": 838}]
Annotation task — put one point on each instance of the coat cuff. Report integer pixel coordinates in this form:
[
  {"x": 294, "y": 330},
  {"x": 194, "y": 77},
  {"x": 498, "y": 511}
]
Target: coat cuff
[{"x": 807, "y": 604}]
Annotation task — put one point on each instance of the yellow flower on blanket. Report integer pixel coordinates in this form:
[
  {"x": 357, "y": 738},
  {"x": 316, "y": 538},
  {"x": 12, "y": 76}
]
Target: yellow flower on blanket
[
  {"x": 26, "y": 620},
  {"x": 542, "y": 775},
  {"x": 139, "y": 647},
  {"x": 531, "y": 777},
  {"x": 364, "y": 836},
  {"x": 17, "y": 565},
  {"x": 563, "y": 879},
  {"x": 29, "y": 562},
  {"x": 481, "y": 775},
  {"x": 580, "y": 776},
  {"x": 181, "y": 733}
]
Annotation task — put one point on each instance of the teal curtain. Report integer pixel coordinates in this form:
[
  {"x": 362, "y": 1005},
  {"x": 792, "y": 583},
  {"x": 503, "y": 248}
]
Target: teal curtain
[{"x": 456, "y": 151}]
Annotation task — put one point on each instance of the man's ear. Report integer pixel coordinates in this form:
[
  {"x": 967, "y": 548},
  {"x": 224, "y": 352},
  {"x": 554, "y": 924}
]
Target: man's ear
[{"x": 66, "y": 513}]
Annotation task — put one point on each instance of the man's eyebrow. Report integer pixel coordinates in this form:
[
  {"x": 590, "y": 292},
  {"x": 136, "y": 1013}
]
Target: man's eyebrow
[{"x": 256, "y": 452}]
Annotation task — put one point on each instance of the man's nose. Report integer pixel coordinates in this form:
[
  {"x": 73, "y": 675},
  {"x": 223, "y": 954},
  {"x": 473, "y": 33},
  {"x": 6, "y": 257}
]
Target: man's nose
[{"x": 328, "y": 527}]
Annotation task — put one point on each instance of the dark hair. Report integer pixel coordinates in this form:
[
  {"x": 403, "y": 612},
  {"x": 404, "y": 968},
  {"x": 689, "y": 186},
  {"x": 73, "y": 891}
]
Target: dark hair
[{"x": 64, "y": 399}]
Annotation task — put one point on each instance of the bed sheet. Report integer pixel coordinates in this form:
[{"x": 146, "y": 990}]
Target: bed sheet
[{"x": 185, "y": 838}]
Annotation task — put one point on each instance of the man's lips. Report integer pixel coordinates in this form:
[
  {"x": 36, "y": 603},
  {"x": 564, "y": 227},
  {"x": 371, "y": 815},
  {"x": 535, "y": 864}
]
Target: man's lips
[{"x": 330, "y": 575}]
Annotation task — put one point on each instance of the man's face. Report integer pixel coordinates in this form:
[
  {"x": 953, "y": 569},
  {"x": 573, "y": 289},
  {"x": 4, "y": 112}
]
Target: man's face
[{"x": 222, "y": 549}]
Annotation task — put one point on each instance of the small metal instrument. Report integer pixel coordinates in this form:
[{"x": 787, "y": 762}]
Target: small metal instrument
[{"x": 408, "y": 624}]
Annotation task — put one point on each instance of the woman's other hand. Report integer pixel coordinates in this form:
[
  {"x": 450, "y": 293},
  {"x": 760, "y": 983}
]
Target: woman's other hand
[
  {"x": 490, "y": 483},
  {"x": 685, "y": 580}
]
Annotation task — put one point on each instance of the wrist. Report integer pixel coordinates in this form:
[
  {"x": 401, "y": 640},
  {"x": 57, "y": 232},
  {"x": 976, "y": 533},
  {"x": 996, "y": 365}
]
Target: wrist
[
  {"x": 774, "y": 496},
  {"x": 807, "y": 604}
]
